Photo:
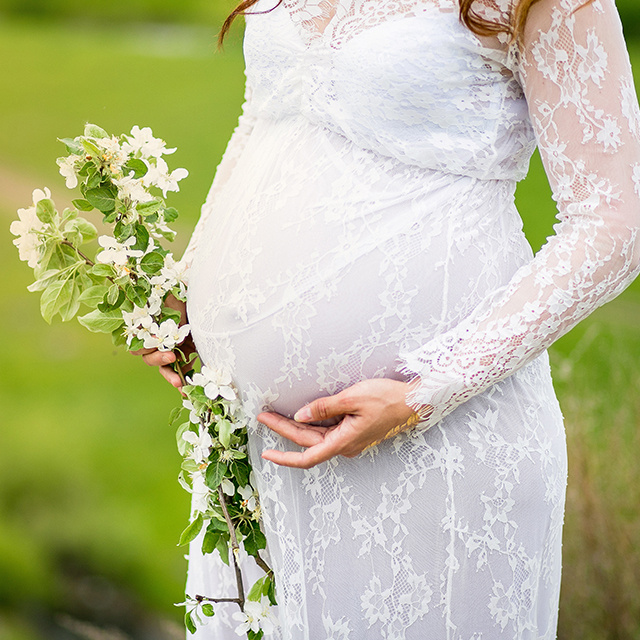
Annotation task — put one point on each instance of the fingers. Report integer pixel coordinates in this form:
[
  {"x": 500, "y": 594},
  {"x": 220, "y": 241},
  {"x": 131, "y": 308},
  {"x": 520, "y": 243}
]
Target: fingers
[
  {"x": 325, "y": 408},
  {"x": 306, "y": 459},
  {"x": 323, "y": 443},
  {"x": 301, "y": 435},
  {"x": 171, "y": 377}
]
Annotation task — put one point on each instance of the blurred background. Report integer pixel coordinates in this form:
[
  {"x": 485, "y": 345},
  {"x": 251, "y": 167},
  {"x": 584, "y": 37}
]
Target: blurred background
[{"x": 90, "y": 508}]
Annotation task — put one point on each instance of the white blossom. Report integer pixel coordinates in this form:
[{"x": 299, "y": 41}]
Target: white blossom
[
  {"x": 177, "y": 272},
  {"x": 194, "y": 418},
  {"x": 215, "y": 383},
  {"x": 68, "y": 170},
  {"x": 201, "y": 443},
  {"x": 112, "y": 153},
  {"x": 142, "y": 141},
  {"x": 27, "y": 228},
  {"x": 132, "y": 188},
  {"x": 136, "y": 319},
  {"x": 256, "y": 616},
  {"x": 117, "y": 252},
  {"x": 158, "y": 175},
  {"x": 228, "y": 487},
  {"x": 200, "y": 492},
  {"x": 148, "y": 333},
  {"x": 248, "y": 494},
  {"x": 170, "y": 334}
]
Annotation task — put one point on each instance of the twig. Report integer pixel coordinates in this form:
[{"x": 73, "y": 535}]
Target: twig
[
  {"x": 263, "y": 565},
  {"x": 207, "y": 599},
  {"x": 235, "y": 547},
  {"x": 89, "y": 262}
]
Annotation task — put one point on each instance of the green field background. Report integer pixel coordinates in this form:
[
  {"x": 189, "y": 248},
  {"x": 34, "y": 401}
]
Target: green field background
[{"x": 90, "y": 509}]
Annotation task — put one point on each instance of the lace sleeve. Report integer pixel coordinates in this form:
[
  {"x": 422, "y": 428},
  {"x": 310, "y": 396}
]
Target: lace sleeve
[
  {"x": 576, "y": 74},
  {"x": 233, "y": 151}
]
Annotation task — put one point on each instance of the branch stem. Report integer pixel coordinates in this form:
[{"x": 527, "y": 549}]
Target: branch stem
[
  {"x": 263, "y": 565},
  {"x": 207, "y": 599},
  {"x": 91, "y": 263},
  {"x": 235, "y": 547}
]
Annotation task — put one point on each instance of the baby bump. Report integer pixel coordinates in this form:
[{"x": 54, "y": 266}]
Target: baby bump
[{"x": 300, "y": 296}]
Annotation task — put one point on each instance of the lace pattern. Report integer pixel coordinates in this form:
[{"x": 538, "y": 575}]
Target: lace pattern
[{"x": 364, "y": 211}]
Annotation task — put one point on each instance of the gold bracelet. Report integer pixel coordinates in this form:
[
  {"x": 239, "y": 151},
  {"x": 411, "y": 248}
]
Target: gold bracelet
[{"x": 414, "y": 419}]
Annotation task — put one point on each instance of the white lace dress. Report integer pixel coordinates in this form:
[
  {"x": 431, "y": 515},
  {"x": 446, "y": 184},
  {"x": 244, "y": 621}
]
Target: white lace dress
[{"x": 362, "y": 224}]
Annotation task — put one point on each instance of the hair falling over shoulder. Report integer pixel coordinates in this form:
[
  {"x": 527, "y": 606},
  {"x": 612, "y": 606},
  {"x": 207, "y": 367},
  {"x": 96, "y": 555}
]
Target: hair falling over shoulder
[{"x": 479, "y": 25}]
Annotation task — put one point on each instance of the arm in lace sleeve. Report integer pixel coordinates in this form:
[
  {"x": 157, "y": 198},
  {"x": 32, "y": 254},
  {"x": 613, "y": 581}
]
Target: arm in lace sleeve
[
  {"x": 577, "y": 78},
  {"x": 233, "y": 151}
]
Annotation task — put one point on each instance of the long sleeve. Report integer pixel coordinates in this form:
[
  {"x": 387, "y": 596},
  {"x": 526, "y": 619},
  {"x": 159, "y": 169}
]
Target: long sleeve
[
  {"x": 577, "y": 79},
  {"x": 234, "y": 150}
]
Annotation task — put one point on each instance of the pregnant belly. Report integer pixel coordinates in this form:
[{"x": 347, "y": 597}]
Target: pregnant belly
[{"x": 320, "y": 263}]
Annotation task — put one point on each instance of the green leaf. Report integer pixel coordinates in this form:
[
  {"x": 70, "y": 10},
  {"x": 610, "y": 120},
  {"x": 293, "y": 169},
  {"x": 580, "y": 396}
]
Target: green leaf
[
  {"x": 69, "y": 309},
  {"x": 188, "y": 622},
  {"x": 210, "y": 541},
  {"x": 255, "y": 635},
  {"x": 78, "y": 231},
  {"x": 55, "y": 297},
  {"x": 103, "y": 270},
  {"x": 142, "y": 238},
  {"x": 82, "y": 204},
  {"x": 170, "y": 214},
  {"x": 189, "y": 465},
  {"x": 103, "y": 198},
  {"x": 102, "y": 322},
  {"x": 171, "y": 314},
  {"x": 217, "y": 525},
  {"x": 118, "y": 338},
  {"x": 180, "y": 441},
  {"x": 224, "y": 432},
  {"x": 94, "y": 131},
  {"x": 152, "y": 263},
  {"x": 123, "y": 231},
  {"x": 207, "y": 610},
  {"x": 149, "y": 208},
  {"x": 45, "y": 210},
  {"x": 192, "y": 531},
  {"x": 93, "y": 181},
  {"x": 116, "y": 294},
  {"x": 254, "y": 540},
  {"x": 46, "y": 279},
  {"x": 93, "y": 295},
  {"x": 271, "y": 592},
  {"x": 137, "y": 295},
  {"x": 240, "y": 471},
  {"x": 113, "y": 294},
  {"x": 91, "y": 148},
  {"x": 257, "y": 590},
  {"x": 138, "y": 167},
  {"x": 169, "y": 235},
  {"x": 223, "y": 548},
  {"x": 73, "y": 146},
  {"x": 175, "y": 415},
  {"x": 215, "y": 472},
  {"x": 136, "y": 344}
]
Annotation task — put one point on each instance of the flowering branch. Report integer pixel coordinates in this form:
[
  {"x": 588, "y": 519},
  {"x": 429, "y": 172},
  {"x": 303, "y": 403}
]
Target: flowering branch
[{"x": 126, "y": 289}]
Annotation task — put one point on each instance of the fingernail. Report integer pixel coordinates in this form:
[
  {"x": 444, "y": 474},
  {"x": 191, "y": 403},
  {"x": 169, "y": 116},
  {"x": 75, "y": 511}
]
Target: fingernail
[
  {"x": 303, "y": 415},
  {"x": 166, "y": 359}
]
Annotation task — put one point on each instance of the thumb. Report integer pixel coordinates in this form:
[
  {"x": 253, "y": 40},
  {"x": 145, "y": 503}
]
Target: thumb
[{"x": 323, "y": 409}]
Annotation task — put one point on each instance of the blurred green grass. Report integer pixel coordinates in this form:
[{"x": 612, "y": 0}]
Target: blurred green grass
[{"x": 89, "y": 504}]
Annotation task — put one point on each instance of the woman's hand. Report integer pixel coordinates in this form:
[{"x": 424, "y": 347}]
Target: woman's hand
[
  {"x": 164, "y": 359},
  {"x": 367, "y": 411}
]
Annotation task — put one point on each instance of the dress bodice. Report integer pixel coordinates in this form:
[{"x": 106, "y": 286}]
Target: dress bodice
[{"x": 414, "y": 85}]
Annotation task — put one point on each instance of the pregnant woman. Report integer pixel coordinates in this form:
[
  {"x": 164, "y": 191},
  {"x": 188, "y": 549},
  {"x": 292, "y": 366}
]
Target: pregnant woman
[{"x": 360, "y": 257}]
